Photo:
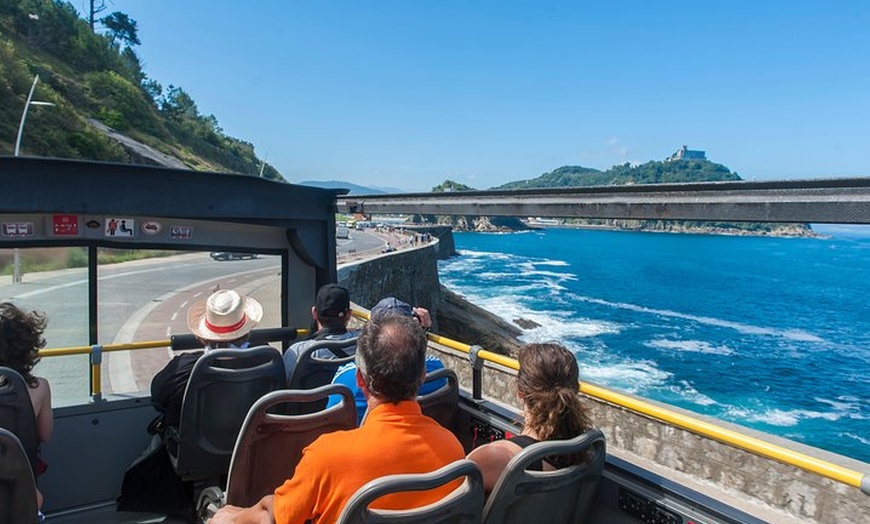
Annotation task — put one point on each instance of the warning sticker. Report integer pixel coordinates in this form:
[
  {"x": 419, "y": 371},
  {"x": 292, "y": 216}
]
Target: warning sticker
[
  {"x": 120, "y": 227},
  {"x": 65, "y": 225},
  {"x": 181, "y": 232}
]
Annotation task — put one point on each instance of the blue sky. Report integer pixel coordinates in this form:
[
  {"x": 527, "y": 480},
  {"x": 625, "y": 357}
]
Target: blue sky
[{"x": 406, "y": 94}]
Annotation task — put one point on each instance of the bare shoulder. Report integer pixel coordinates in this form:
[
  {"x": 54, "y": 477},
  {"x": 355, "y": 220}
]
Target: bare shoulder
[
  {"x": 500, "y": 451},
  {"x": 42, "y": 391}
]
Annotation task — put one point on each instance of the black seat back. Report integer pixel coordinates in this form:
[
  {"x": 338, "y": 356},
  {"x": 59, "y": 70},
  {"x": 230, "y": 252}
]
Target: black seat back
[
  {"x": 564, "y": 495},
  {"x": 462, "y": 506},
  {"x": 270, "y": 444},
  {"x": 442, "y": 403},
  {"x": 17, "y": 488},
  {"x": 312, "y": 372},
  {"x": 222, "y": 387},
  {"x": 16, "y": 412}
]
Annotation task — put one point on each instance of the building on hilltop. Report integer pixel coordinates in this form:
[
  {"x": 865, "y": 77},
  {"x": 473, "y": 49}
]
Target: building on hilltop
[{"x": 684, "y": 153}]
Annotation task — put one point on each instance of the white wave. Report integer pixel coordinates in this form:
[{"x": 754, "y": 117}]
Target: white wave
[
  {"x": 483, "y": 254},
  {"x": 859, "y": 438},
  {"x": 558, "y": 263},
  {"x": 790, "y": 334},
  {"x": 688, "y": 392},
  {"x": 495, "y": 275},
  {"x": 848, "y": 406},
  {"x": 530, "y": 271},
  {"x": 630, "y": 376},
  {"x": 782, "y": 418},
  {"x": 690, "y": 346}
]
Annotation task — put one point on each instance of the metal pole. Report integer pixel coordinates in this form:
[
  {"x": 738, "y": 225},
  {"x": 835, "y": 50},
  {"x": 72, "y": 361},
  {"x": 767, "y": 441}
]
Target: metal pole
[
  {"x": 24, "y": 115},
  {"x": 16, "y": 260},
  {"x": 16, "y": 266}
]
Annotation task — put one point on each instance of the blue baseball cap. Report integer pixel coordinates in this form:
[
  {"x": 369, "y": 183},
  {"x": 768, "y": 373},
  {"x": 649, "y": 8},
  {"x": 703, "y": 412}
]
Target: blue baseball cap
[{"x": 391, "y": 306}]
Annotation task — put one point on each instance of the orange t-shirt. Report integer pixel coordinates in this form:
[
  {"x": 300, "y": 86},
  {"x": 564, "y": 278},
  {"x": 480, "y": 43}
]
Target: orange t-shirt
[{"x": 393, "y": 439}]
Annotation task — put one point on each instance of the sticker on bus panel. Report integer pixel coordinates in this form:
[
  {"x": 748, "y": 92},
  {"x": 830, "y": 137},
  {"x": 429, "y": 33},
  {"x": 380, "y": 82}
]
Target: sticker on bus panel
[
  {"x": 65, "y": 225},
  {"x": 120, "y": 227},
  {"x": 181, "y": 232},
  {"x": 151, "y": 227},
  {"x": 17, "y": 229}
]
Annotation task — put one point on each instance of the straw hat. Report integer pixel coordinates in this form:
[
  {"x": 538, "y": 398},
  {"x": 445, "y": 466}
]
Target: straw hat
[{"x": 225, "y": 315}]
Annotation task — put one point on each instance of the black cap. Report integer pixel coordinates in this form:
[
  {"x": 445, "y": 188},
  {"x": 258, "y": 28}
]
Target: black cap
[{"x": 332, "y": 301}]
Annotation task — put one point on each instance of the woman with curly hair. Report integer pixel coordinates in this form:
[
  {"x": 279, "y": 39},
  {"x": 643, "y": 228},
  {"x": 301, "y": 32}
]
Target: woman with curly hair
[
  {"x": 552, "y": 410},
  {"x": 20, "y": 342}
]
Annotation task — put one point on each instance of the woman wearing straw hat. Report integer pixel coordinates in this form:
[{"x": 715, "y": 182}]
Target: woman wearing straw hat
[{"x": 224, "y": 320}]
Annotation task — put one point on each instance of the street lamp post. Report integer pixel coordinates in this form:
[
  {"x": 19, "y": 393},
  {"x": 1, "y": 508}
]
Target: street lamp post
[{"x": 16, "y": 262}]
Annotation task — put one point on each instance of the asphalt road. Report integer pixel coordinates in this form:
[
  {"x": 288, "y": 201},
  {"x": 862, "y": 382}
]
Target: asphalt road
[{"x": 142, "y": 300}]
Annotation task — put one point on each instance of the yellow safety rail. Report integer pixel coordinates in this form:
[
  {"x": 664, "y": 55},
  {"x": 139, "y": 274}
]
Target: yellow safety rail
[
  {"x": 95, "y": 352},
  {"x": 733, "y": 438},
  {"x": 758, "y": 446}
]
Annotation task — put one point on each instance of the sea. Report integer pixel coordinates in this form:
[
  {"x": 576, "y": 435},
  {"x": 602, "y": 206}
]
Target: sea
[{"x": 766, "y": 332}]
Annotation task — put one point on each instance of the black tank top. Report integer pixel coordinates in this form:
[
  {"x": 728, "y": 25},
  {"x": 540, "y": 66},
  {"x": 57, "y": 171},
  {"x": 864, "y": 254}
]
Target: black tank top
[{"x": 525, "y": 441}]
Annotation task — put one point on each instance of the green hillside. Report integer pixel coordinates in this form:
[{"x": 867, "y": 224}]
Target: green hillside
[
  {"x": 653, "y": 172},
  {"x": 664, "y": 172},
  {"x": 95, "y": 74}
]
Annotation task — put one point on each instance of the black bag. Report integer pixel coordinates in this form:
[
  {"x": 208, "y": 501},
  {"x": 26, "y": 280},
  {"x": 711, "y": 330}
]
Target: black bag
[{"x": 151, "y": 484}]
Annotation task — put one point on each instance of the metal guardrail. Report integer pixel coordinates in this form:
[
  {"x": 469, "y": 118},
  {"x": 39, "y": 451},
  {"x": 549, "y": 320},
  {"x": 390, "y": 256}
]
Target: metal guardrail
[
  {"x": 95, "y": 352},
  {"x": 712, "y": 431},
  {"x": 478, "y": 355}
]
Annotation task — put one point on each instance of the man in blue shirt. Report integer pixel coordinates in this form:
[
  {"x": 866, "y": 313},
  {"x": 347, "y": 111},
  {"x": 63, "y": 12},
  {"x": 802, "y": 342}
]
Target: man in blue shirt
[{"x": 346, "y": 374}]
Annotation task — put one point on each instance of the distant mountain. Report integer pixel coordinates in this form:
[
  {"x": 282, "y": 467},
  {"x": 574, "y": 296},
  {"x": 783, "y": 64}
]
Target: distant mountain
[{"x": 336, "y": 184}]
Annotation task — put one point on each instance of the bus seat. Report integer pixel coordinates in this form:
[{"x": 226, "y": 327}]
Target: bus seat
[
  {"x": 17, "y": 487},
  {"x": 312, "y": 372},
  {"x": 270, "y": 444},
  {"x": 563, "y": 495},
  {"x": 462, "y": 505},
  {"x": 16, "y": 412},
  {"x": 442, "y": 403},
  {"x": 222, "y": 387}
]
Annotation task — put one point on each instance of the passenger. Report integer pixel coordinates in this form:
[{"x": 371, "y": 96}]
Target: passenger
[
  {"x": 224, "y": 320},
  {"x": 552, "y": 410},
  {"x": 396, "y": 438},
  {"x": 331, "y": 312},
  {"x": 20, "y": 342},
  {"x": 346, "y": 374}
]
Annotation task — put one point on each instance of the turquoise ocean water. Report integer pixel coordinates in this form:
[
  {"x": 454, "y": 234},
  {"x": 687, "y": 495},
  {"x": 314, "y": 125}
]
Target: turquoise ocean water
[{"x": 769, "y": 333}]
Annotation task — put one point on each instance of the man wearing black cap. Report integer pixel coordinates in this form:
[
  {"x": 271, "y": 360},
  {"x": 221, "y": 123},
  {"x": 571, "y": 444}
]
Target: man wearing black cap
[{"x": 331, "y": 312}]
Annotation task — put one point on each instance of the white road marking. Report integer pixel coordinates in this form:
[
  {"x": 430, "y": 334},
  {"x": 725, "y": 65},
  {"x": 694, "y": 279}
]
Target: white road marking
[{"x": 121, "y": 377}]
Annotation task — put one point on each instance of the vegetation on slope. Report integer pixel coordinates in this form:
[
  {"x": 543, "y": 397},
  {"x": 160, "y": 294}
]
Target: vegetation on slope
[
  {"x": 97, "y": 75},
  {"x": 666, "y": 172},
  {"x": 653, "y": 172}
]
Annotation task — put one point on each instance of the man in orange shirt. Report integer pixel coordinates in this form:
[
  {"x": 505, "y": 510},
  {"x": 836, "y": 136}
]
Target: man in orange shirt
[{"x": 395, "y": 438}]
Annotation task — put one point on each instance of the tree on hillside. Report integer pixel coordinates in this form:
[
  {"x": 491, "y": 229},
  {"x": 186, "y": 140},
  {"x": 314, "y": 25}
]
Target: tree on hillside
[
  {"x": 177, "y": 104},
  {"x": 97, "y": 7},
  {"x": 121, "y": 27},
  {"x": 450, "y": 185}
]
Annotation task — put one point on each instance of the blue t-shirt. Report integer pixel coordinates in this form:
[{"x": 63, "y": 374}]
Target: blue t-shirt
[{"x": 346, "y": 376}]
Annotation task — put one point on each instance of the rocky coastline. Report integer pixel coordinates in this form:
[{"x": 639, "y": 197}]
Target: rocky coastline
[
  {"x": 484, "y": 224},
  {"x": 460, "y": 320}
]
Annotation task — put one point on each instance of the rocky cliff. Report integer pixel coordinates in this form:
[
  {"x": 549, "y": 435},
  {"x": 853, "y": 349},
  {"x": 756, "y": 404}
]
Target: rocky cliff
[{"x": 411, "y": 275}]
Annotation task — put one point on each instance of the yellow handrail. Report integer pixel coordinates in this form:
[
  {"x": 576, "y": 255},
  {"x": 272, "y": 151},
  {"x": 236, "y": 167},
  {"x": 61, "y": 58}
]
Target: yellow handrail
[
  {"x": 96, "y": 363},
  {"x": 712, "y": 431}
]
